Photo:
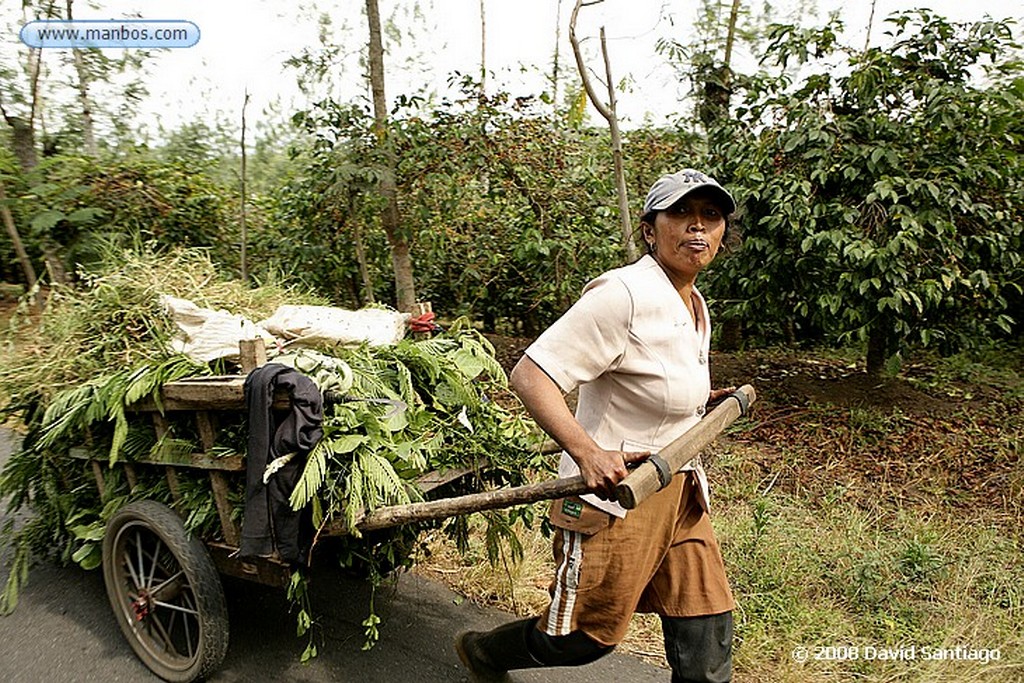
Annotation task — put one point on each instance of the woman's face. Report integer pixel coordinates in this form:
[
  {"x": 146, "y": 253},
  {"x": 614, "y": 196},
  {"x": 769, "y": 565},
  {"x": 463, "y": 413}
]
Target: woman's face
[{"x": 687, "y": 235}]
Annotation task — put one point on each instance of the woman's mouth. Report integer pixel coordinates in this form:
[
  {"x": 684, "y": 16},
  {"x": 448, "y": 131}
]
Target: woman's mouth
[{"x": 696, "y": 245}]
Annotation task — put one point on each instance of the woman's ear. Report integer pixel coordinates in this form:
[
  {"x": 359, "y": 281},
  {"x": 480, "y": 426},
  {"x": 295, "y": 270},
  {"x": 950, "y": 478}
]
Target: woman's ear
[{"x": 647, "y": 232}]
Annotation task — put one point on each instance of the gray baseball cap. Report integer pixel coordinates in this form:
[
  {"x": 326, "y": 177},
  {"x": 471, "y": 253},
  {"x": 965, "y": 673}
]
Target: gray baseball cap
[{"x": 669, "y": 189}]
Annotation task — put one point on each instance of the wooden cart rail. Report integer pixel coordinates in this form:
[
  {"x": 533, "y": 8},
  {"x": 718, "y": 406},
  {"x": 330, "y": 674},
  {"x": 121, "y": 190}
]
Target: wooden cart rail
[
  {"x": 217, "y": 392},
  {"x": 647, "y": 478}
]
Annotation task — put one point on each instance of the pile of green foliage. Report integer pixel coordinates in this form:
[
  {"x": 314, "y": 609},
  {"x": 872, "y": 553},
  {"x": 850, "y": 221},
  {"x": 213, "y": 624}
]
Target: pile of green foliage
[{"x": 404, "y": 410}]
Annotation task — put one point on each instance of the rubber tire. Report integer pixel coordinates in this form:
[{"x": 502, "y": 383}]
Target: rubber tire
[{"x": 157, "y": 522}]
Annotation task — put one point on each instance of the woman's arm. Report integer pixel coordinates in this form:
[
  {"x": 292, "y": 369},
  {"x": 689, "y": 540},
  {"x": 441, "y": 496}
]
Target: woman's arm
[{"x": 602, "y": 470}]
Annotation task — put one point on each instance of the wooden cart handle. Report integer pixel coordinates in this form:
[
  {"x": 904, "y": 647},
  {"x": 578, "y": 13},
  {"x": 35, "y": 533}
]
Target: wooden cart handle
[
  {"x": 633, "y": 490},
  {"x": 654, "y": 473}
]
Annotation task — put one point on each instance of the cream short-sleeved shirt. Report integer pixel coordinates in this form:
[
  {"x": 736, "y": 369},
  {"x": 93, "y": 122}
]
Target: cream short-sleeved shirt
[{"x": 640, "y": 362}]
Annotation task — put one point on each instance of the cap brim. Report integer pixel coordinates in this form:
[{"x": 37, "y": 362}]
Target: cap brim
[{"x": 727, "y": 202}]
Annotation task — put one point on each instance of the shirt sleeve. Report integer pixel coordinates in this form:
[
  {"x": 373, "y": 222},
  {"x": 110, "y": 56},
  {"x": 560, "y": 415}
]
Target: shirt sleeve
[{"x": 589, "y": 339}]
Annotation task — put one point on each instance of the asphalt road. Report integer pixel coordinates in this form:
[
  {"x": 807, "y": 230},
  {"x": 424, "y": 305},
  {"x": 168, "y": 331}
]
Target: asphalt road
[{"x": 64, "y": 630}]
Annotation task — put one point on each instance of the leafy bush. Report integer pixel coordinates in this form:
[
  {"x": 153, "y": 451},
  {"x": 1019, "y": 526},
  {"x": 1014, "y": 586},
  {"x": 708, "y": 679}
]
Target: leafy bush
[{"x": 884, "y": 193}]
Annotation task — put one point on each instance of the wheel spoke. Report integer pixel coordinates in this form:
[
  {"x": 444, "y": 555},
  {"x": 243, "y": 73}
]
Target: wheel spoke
[
  {"x": 139, "y": 552},
  {"x": 170, "y": 623},
  {"x": 156, "y": 561},
  {"x": 188, "y": 635},
  {"x": 163, "y": 584},
  {"x": 179, "y": 608},
  {"x": 131, "y": 570},
  {"x": 156, "y": 625},
  {"x": 165, "y": 591}
]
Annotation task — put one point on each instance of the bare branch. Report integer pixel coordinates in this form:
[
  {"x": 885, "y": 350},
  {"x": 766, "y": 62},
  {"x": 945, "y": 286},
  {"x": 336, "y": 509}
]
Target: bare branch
[
  {"x": 871, "y": 22},
  {"x": 609, "y": 113},
  {"x": 34, "y": 73},
  {"x": 731, "y": 37},
  {"x": 242, "y": 216},
  {"x": 608, "y": 72},
  {"x": 587, "y": 85}
]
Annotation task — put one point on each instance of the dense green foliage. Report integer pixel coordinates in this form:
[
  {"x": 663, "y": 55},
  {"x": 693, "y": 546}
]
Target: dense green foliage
[
  {"x": 510, "y": 211},
  {"x": 881, "y": 193},
  {"x": 884, "y": 196},
  {"x": 78, "y": 207}
]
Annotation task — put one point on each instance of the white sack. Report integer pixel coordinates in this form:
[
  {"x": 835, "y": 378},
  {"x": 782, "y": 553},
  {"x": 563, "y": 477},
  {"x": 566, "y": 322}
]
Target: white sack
[
  {"x": 205, "y": 334},
  {"x": 316, "y": 324}
]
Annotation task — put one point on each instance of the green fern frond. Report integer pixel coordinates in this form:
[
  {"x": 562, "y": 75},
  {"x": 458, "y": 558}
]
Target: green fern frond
[
  {"x": 405, "y": 387},
  {"x": 18, "y": 575},
  {"x": 120, "y": 432},
  {"x": 313, "y": 475},
  {"x": 141, "y": 383},
  {"x": 485, "y": 356},
  {"x": 500, "y": 534},
  {"x": 388, "y": 487},
  {"x": 356, "y": 500},
  {"x": 453, "y": 393},
  {"x": 68, "y": 413},
  {"x": 139, "y": 442},
  {"x": 368, "y": 382},
  {"x": 424, "y": 357},
  {"x": 170, "y": 449}
]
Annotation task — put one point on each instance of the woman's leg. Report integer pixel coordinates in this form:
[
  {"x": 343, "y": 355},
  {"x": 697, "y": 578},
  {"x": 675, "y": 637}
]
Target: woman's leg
[
  {"x": 520, "y": 645},
  {"x": 699, "y": 649}
]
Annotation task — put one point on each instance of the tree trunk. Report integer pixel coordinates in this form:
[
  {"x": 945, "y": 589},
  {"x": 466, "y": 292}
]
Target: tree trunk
[
  {"x": 628, "y": 243},
  {"x": 401, "y": 261},
  {"x": 19, "y": 248},
  {"x": 88, "y": 134},
  {"x": 54, "y": 262},
  {"x": 364, "y": 267},
  {"x": 717, "y": 84},
  {"x": 871, "y": 21},
  {"x": 483, "y": 49},
  {"x": 555, "y": 60},
  {"x": 242, "y": 214},
  {"x": 879, "y": 348},
  {"x": 730, "y": 38},
  {"x": 23, "y": 138},
  {"x": 730, "y": 334}
]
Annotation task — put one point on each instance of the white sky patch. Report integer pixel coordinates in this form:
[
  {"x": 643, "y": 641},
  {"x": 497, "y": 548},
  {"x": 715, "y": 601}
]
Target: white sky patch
[{"x": 244, "y": 44}]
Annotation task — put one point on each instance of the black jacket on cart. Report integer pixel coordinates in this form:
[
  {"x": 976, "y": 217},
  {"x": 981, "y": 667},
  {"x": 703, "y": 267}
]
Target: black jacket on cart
[{"x": 269, "y": 521}]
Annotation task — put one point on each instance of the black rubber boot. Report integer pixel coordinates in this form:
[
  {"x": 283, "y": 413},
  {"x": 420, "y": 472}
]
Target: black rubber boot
[
  {"x": 699, "y": 649},
  {"x": 490, "y": 655}
]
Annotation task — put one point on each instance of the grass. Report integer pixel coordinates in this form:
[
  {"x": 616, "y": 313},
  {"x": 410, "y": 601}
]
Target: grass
[
  {"x": 117, "y": 321},
  {"x": 838, "y": 573},
  {"x": 888, "y": 530}
]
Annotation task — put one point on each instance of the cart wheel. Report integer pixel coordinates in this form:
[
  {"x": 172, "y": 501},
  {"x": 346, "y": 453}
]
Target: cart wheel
[{"x": 165, "y": 592}]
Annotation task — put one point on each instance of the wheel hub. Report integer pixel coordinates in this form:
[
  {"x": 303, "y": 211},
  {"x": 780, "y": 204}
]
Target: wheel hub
[{"x": 142, "y": 606}]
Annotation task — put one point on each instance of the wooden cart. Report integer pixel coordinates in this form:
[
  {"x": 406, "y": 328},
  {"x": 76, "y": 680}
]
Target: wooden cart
[{"x": 164, "y": 584}]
